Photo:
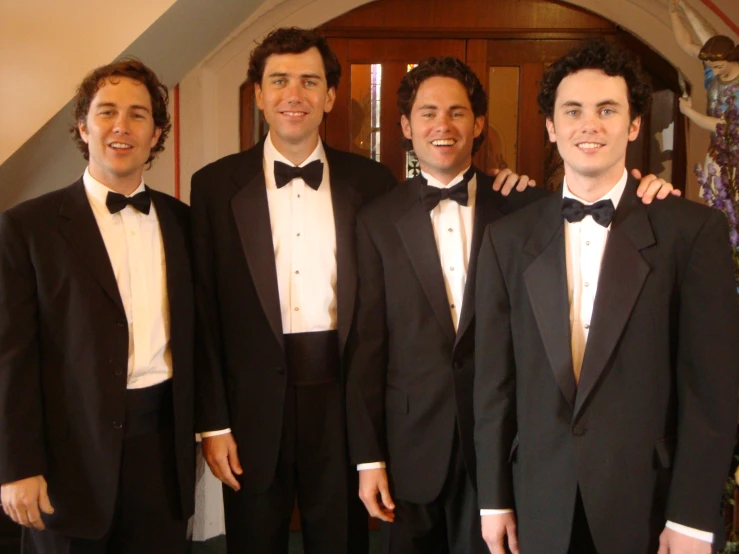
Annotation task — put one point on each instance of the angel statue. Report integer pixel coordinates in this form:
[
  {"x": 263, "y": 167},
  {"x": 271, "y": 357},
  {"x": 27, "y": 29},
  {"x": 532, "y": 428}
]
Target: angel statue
[{"x": 720, "y": 56}]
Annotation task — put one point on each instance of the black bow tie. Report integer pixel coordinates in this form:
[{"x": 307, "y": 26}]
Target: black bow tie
[
  {"x": 601, "y": 212},
  {"x": 312, "y": 174},
  {"x": 116, "y": 202},
  {"x": 431, "y": 196}
]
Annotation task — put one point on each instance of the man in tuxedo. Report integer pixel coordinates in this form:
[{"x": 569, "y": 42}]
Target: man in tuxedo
[
  {"x": 96, "y": 391},
  {"x": 606, "y": 359},
  {"x": 409, "y": 387},
  {"x": 275, "y": 281}
]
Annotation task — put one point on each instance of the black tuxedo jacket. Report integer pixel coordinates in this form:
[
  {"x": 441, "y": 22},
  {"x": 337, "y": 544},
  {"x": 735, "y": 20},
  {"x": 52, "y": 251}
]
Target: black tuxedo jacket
[
  {"x": 647, "y": 434},
  {"x": 410, "y": 377},
  {"x": 241, "y": 365},
  {"x": 64, "y": 355}
]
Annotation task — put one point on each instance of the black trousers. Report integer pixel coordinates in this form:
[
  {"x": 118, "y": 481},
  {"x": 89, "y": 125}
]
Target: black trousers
[
  {"x": 581, "y": 541},
  {"x": 147, "y": 518},
  {"x": 312, "y": 466},
  {"x": 450, "y": 524}
]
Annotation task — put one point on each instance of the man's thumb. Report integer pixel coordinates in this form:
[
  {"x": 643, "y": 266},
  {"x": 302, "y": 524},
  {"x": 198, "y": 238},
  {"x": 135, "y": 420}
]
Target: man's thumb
[
  {"x": 386, "y": 498},
  {"x": 44, "y": 502}
]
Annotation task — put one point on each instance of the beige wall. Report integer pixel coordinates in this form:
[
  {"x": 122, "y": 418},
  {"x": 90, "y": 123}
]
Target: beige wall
[
  {"x": 175, "y": 43},
  {"x": 45, "y": 50}
]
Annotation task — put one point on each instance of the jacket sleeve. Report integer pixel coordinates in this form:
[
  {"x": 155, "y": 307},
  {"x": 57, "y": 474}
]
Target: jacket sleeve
[
  {"x": 707, "y": 371},
  {"x": 495, "y": 382},
  {"x": 22, "y": 452},
  {"x": 211, "y": 406},
  {"x": 365, "y": 396}
]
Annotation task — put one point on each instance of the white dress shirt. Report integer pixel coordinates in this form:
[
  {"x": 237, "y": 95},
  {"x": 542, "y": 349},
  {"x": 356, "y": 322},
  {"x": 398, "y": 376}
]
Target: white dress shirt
[
  {"x": 304, "y": 241},
  {"x": 453, "y": 224},
  {"x": 134, "y": 244}
]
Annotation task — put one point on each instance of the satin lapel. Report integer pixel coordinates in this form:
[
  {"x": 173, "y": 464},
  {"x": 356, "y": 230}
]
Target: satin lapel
[
  {"x": 417, "y": 234},
  {"x": 346, "y": 201},
  {"x": 81, "y": 230},
  {"x": 486, "y": 211},
  {"x": 622, "y": 276},
  {"x": 175, "y": 252},
  {"x": 251, "y": 214},
  {"x": 546, "y": 283}
]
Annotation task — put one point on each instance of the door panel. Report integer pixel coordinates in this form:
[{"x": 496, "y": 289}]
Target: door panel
[{"x": 373, "y": 69}]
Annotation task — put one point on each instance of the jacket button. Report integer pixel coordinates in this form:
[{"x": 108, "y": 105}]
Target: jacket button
[
  {"x": 578, "y": 430},
  {"x": 122, "y": 322},
  {"x": 280, "y": 370},
  {"x": 117, "y": 425}
]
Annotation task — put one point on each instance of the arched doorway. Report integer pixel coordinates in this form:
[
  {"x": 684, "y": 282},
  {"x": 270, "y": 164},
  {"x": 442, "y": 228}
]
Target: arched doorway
[{"x": 508, "y": 43}]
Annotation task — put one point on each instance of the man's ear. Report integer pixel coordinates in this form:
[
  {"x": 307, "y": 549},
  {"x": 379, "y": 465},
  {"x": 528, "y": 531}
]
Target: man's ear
[
  {"x": 550, "y": 130},
  {"x": 479, "y": 125},
  {"x": 405, "y": 124},
  {"x": 634, "y": 127},
  {"x": 82, "y": 128},
  {"x": 155, "y": 137},
  {"x": 258, "y": 96},
  {"x": 330, "y": 99}
]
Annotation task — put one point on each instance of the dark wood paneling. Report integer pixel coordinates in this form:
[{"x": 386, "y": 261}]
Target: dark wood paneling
[{"x": 465, "y": 17}]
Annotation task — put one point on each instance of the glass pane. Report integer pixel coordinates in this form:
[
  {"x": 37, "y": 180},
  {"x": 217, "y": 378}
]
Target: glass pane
[
  {"x": 364, "y": 112},
  {"x": 501, "y": 136},
  {"x": 411, "y": 161}
]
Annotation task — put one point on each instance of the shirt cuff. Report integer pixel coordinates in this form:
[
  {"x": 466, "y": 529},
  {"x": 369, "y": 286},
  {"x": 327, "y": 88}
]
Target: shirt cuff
[
  {"x": 371, "y": 465},
  {"x": 206, "y": 434},
  {"x": 495, "y": 512},
  {"x": 704, "y": 536}
]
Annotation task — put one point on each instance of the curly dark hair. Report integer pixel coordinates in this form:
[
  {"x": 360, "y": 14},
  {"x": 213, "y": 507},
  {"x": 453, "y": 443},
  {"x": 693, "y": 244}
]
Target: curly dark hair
[
  {"x": 293, "y": 40},
  {"x": 442, "y": 67},
  {"x": 600, "y": 54},
  {"x": 133, "y": 68},
  {"x": 719, "y": 49}
]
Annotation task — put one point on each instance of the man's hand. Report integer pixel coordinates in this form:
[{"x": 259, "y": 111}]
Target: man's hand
[
  {"x": 505, "y": 180},
  {"x": 496, "y": 528},
  {"x": 674, "y": 542},
  {"x": 373, "y": 482},
  {"x": 24, "y": 500},
  {"x": 651, "y": 187},
  {"x": 220, "y": 452}
]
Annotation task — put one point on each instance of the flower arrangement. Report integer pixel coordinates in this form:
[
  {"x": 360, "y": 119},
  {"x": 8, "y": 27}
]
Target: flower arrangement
[{"x": 719, "y": 181}]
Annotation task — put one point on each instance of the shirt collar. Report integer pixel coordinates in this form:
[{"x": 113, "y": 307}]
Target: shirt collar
[
  {"x": 614, "y": 194},
  {"x": 434, "y": 182},
  {"x": 99, "y": 192},
  {"x": 272, "y": 155}
]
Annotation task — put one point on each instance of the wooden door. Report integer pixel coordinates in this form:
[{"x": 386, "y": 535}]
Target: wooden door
[{"x": 365, "y": 118}]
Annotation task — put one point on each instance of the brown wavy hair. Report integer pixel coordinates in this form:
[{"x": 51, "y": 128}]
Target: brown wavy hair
[
  {"x": 612, "y": 60},
  {"x": 442, "y": 67},
  {"x": 132, "y": 68},
  {"x": 293, "y": 40},
  {"x": 719, "y": 49}
]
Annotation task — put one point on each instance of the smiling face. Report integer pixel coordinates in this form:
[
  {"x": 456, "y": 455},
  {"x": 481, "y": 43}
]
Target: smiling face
[
  {"x": 442, "y": 127},
  {"x": 592, "y": 128},
  {"x": 120, "y": 133},
  {"x": 294, "y": 96},
  {"x": 723, "y": 69}
]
